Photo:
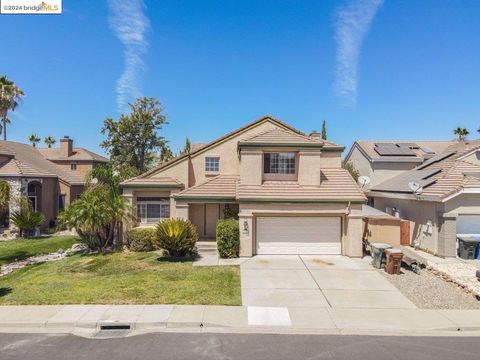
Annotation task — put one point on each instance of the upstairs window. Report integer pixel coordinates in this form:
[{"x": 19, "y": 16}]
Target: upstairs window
[
  {"x": 73, "y": 166},
  {"x": 279, "y": 163},
  {"x": 212, "y": 164}
]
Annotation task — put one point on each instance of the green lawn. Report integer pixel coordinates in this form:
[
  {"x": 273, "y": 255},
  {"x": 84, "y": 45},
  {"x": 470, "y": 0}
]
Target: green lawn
[
  {"x": 121, "y": 278},
  {"x": 12, "y": 250}
]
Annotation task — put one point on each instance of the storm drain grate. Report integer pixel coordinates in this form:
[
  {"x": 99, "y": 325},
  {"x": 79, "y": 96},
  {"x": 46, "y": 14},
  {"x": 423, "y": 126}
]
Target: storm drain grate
[{"x": 108, "y": 331}]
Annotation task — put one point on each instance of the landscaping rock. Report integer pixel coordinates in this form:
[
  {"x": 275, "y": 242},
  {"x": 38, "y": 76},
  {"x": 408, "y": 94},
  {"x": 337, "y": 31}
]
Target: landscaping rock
[
  {"x": 9, "y": 268},
  {"x": 428, "y": 290}
]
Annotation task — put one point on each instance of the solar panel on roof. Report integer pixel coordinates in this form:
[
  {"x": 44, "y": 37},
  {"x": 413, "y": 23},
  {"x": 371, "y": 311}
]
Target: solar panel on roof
[
  {"x": 393, "y": 150},
  {"x": 436, "y": 158},
  {"x": 427, "y": 150},
  {"x": 409, "y": 145}
]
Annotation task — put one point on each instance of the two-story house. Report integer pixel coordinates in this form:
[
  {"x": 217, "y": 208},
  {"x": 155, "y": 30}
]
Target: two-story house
[
  {"x": 76, "y": 159},
  {"x": 50, "y": 178},
  {"x": 287, "y": 189}
]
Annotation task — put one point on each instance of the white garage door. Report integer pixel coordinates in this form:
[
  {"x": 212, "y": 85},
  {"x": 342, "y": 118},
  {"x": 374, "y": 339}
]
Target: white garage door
[{"x": 298, "y": 235}]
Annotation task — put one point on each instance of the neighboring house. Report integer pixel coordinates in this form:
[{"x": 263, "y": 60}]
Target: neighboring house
[
  {"x": 382, "y": 160},
  {"x": 447, "y": 202},
  {"x": 288, "y": 190},
  {"x": 49, "y": 186},
  {"x": 75, "y": 159}
]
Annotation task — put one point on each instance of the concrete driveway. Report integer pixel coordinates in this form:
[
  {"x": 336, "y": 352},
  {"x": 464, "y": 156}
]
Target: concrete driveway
[{"x": 317, "y": 281}]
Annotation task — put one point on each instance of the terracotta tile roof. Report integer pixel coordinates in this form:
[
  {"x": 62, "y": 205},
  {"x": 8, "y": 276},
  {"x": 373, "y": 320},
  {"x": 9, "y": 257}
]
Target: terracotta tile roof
[
  {"x": 441, "y": 176},
  {"x": 154, "y": 182},
  {"x": 221, "y": 186},
  {"x": 285, "y": 137},
  {"x": 368, "y": 147},
  {"x": 336, "y": 185},
  {"x": 28, "y": 161},
  {"x": 79, "y": 154}
]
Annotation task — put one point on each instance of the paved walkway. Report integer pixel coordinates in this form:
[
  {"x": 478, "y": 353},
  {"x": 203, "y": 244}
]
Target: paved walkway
[{"x": 335, "y": 282}]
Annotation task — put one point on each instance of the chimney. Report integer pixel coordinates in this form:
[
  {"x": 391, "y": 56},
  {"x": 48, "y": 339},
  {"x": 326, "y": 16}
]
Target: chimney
[
  {"x": 66, "y": 146},
  {"x": 315, "y": 135}
]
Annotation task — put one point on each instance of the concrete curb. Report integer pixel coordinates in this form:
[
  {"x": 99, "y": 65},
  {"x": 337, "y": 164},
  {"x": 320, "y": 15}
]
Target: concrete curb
[{"x": 89, "y": 319}]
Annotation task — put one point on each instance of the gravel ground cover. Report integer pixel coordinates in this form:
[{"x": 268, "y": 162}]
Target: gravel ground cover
[{"x": 429, "y": 291}]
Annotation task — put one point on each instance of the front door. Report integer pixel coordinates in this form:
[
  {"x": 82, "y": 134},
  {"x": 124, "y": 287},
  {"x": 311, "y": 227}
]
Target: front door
[{"x": 212, "y": 214}]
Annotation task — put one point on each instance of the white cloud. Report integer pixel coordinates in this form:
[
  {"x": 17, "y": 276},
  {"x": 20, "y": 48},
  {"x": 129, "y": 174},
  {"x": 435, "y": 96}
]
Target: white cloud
[
  {"x": 352, "y": 22},
  {"x": 130, "y": 24}
]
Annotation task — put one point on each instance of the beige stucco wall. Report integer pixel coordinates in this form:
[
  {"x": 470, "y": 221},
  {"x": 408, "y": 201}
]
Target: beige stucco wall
[
  {"x": 419, "y": 213},
  {"x": 83, "y": 167},
  {"x": 352, "y": 223},
  {"x": 331, "y": 159},
  {"x": 177, "y": 171},
  {"x": 382, "y": 230},
  {"x": 309, "y": 167},
  {"x": 360, "y": 162},
  {"x": 383, "y": 171},
  {"x": 227, "y": 151},
  {"x": 464, "y": 204},
  {"x": 251, "y": 162}
]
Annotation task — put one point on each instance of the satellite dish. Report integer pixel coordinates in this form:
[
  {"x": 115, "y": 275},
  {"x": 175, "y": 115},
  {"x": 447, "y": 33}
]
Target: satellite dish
[
  {"x": 363, "y": 180},
  {"x": 415, "y": 187}
]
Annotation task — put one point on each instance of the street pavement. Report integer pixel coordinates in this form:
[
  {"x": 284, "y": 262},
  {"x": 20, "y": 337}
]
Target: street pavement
[{"x": 236, "y": 346}]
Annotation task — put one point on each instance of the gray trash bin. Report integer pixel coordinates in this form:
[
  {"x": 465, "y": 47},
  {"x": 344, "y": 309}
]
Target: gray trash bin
[
  {"x": 378, "y": 254},
  {"x": 466, "y": 247}
]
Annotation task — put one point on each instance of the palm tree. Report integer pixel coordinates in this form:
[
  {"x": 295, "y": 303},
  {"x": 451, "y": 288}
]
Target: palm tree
[
  {"x": 34, "y": 139},
  {"x": 5, "y": 121},
  {"x": 10, "y": 96},
  {"x": 49, "y": 141},
  {"x": 461, "y": 133}
]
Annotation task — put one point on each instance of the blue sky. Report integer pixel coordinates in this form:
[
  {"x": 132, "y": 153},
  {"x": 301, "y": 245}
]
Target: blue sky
[{"x": 372, "y": 69}]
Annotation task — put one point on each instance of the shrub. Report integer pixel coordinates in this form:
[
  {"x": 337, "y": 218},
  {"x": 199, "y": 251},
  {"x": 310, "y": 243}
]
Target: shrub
[
  {"x": 141, "y": 239},
  {"x": 177, "y": 236},
  {"x": 228, "y": 238},
  {"x": 26, "y": 220}
]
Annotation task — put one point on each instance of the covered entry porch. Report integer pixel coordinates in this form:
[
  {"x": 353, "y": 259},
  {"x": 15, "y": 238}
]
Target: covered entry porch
[{"x": 204, "y": 215}]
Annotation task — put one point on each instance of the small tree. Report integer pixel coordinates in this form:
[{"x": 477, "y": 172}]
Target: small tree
[
  {"x": 351, "y": 169},
  {"x": 49, "y": 141},
  {"x": 324, "y": 130},
  {"x": 187, "y": 147},
  {"x": 461, "y": 133},
  {"x": 98, "y": 214},
  {"x": 34, "y": 139}
]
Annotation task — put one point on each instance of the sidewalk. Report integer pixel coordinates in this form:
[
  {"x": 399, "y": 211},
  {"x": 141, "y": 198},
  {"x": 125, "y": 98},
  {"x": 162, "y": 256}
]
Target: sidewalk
[{"x": 253, "y": 319}]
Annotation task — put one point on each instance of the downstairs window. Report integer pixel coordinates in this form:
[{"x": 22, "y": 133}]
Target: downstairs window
[{"x": 151, "y": 210}]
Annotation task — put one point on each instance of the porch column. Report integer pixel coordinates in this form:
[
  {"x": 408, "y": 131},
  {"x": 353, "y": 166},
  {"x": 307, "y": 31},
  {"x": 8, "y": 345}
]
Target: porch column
[
  {"x": 447, "y": 235},
  {"x": 245, "y": 222},
  {"x": 353, "y": 236},
  {"x": 182, "y": 210}
]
